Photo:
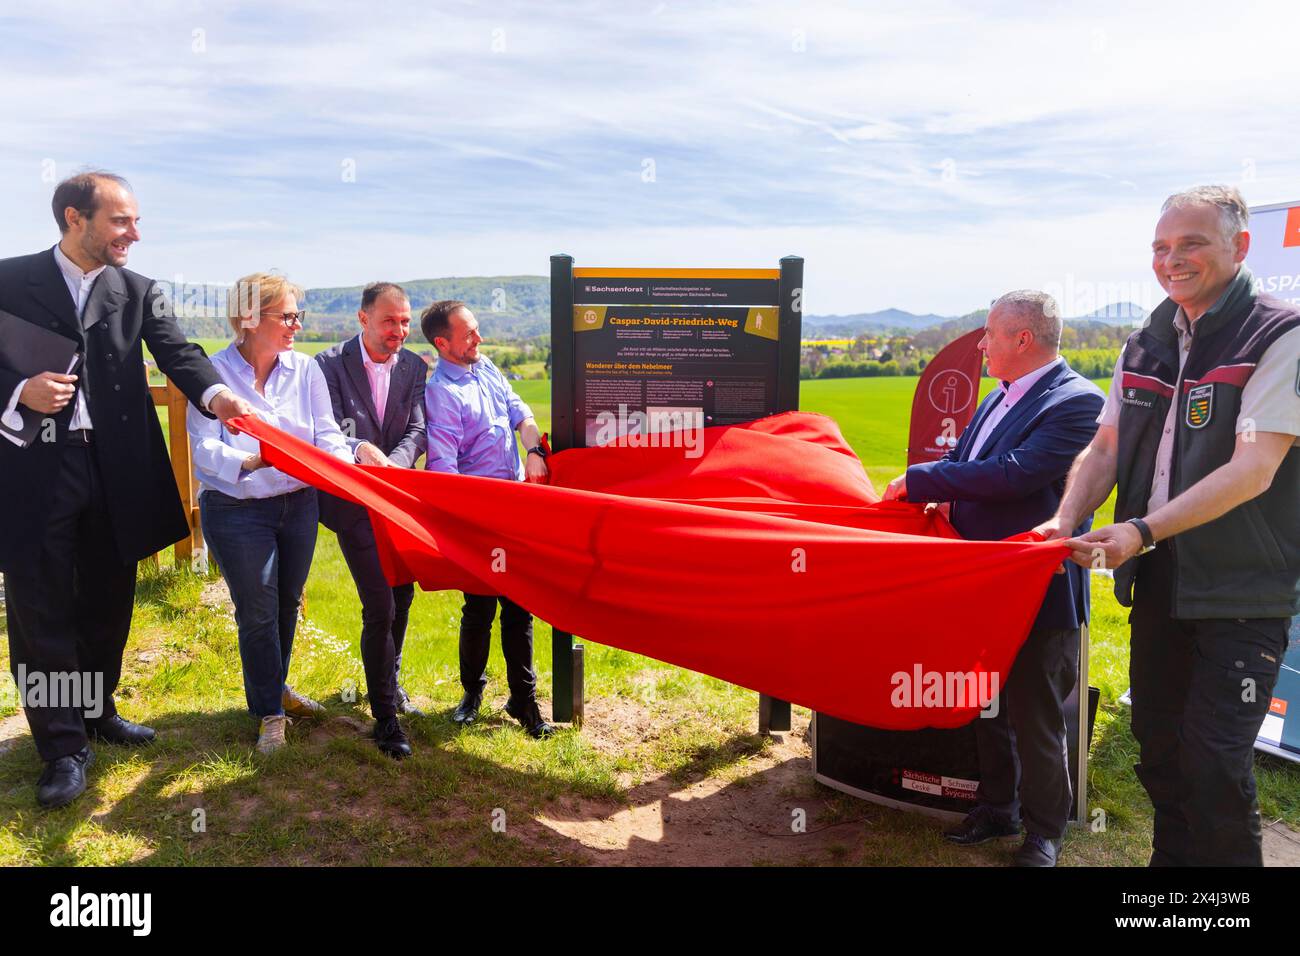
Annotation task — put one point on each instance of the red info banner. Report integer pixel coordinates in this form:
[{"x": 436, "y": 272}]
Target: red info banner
[
  {"x": 945, "y": 400},
  {"x": 761, "y": 557}
]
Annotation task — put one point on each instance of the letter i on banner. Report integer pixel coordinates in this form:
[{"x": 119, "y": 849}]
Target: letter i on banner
[{"x": 945, "y": 400}]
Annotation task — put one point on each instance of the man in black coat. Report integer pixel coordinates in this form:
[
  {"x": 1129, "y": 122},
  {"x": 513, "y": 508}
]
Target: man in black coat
[
  {"x": 94, "y": 492},
  {"x": 377, "y": 390}
]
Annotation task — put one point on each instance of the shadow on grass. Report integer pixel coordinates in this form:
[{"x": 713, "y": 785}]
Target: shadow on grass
[
  {"x": 487, "y": 795},
  {"x": 200, "y": 795}
]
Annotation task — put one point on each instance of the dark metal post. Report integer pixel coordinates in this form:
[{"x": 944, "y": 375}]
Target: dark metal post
[
  {"x": 790, "y": 337},
  {"x": 774, "y": 714},
  {"x": 561, "y": 676},
  {"x": 563, "y": 688},
  {"x": 563, "y": 428}
]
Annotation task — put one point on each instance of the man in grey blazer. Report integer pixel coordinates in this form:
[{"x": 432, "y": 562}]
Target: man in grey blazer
[{"x": 377, "y": 390}]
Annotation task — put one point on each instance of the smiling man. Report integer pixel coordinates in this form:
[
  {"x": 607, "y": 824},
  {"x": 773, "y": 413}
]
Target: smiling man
[
  {"x": 1200, "y": 433},
  {"x": 377, "y": 391},
  {"x": 94, "y": 492},
  {"x": 472, "y": 415}
]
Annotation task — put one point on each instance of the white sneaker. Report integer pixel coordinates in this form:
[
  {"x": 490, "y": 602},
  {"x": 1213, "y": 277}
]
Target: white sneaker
[{"x": 271, "y": 737}]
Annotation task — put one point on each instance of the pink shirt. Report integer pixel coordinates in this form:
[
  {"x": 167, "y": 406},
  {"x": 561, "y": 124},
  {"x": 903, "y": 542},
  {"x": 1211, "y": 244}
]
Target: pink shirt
[
  {"x": 380, "y": 377},
  {"x": 1012, "y": 393}
]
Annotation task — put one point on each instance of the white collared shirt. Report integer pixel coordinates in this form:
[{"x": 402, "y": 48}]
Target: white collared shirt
[
  {"x": 295, "y": 398},
  {"x": 380, "y": 376},
  {"x": 1012, "y": 392},
  {"x": 79, "y": 283},
  {"x": 79, "y": 286}
]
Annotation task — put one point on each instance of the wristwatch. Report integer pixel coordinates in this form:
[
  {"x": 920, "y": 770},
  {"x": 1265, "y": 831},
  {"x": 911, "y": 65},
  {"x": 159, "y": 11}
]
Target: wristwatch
[
  {"x": 538, "y": 450},
  {"x": 1148, "y": 539}
]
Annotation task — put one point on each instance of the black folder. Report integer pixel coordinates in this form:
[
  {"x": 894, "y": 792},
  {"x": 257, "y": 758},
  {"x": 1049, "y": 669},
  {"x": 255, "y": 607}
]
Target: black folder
[{"x": 29, "y": 350}]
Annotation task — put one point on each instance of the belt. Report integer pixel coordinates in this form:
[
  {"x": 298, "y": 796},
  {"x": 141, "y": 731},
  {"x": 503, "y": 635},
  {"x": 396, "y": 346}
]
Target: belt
[{"x": 82, "y": 436}]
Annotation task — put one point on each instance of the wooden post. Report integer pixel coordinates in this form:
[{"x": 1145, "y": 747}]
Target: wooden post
[
  {"x": 579, "y": 697},
  {"x": 174, "y": 400},
  {"x": 181, "y": 468}
]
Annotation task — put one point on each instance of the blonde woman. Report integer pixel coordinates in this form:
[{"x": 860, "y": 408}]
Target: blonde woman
[{"x": 259, "y": 523}]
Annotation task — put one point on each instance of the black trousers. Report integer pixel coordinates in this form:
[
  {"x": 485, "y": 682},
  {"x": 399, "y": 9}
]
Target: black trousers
[
  {"x": 1200, "y": 689},
  {"x": 71, "y": 614},
  {"x": 1023, "y": 756},
  {"x": 385, "y": 611},
  {"x": 516, "y": 645}
]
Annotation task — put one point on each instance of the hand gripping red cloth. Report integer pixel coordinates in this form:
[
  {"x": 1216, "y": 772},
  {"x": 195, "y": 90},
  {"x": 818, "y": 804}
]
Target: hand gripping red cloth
[{"x": 766, "y": 561}]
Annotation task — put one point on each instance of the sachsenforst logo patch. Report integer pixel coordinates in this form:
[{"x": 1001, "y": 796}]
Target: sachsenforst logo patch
[{"x": 1200, "y": 406}]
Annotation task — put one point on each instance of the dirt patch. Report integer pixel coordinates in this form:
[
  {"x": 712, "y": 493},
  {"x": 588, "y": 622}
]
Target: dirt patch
[
  {"x": 613, "y": 724},
  {"x": 746, "y": 817},
  {"x": 1281, "y": 845},
  {"x": 13, "y": 732},
  {"x": 321, "y": 732},
  {"x": 216, "y": 594}
]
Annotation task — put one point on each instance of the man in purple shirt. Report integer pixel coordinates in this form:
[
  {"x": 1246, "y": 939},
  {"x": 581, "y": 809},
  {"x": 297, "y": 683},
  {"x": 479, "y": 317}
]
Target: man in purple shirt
[{"x": 471, "y": 416}]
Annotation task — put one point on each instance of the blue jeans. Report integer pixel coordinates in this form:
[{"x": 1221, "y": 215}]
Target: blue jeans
[{"x": 264, "y": 548}]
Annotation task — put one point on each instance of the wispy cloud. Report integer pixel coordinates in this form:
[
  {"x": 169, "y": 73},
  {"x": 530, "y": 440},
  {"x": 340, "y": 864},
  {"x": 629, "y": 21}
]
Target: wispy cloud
[{"x": 923, "y": 156}]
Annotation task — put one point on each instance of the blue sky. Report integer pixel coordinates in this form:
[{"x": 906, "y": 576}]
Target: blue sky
[{"x": 923, "y": 156}]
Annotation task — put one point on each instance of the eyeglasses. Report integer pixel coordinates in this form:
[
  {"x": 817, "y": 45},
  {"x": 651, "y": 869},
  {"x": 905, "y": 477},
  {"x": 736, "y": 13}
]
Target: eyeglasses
[{"x": 290, "y": 319}]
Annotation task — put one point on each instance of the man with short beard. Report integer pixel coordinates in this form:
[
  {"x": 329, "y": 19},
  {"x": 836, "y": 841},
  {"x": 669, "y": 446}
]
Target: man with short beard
[
  {"x": 471, "y": 415},
  {"x": 79, "y": 511}
]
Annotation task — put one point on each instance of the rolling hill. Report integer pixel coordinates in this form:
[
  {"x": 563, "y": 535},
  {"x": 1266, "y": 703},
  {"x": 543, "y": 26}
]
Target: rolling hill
[{"x": 518, "y": 307}]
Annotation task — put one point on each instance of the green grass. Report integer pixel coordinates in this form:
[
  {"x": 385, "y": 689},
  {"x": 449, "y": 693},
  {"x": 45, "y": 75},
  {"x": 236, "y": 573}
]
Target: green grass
[
  {"x": 330, "y": 797},
  {"x": 214, "y": 345},
  {"x": 873, "y": 415}
]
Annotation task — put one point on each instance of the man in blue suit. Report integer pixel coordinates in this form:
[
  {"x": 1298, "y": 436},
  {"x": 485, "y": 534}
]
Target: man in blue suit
[{"x": 1006, "y": 476}]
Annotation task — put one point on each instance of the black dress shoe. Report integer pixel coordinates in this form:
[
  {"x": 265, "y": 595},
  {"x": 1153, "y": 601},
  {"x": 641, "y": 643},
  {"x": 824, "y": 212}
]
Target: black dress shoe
[
  {"x": 116, "y": 730},
  {"x": 531, "y": 718},
  {"x": 1037, "y": 851},
  {"x": 404, "y": 705},
  {"x": 980, "y": 826},
  {"x": 391, "y": 739},
  {"x": 466, "y": 711},
  {"x": 64, "y": 779}
]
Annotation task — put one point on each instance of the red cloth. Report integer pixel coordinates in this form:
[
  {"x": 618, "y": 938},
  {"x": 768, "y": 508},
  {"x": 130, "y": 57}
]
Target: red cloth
[{"x": 767, "y": 561}]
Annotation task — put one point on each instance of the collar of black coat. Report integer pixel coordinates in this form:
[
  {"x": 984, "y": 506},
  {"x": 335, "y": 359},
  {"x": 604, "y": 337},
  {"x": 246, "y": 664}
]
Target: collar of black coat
[{"x": 50, "y": 289}]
